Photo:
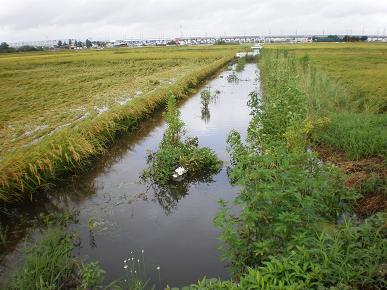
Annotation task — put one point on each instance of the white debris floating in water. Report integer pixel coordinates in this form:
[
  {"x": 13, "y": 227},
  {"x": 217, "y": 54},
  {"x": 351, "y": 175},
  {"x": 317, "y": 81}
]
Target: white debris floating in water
[{"x": 179, "y": 172}]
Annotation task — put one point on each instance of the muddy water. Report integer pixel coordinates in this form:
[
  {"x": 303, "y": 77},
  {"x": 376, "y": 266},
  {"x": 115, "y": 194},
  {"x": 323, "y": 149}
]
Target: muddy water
[{"x": 120, "y": 215}]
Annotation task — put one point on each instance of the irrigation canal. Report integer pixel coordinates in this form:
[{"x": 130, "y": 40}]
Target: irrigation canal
[{"x": 119, "y": 215}]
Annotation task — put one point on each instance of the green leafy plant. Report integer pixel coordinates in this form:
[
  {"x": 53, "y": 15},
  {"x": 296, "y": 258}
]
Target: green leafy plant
[
  {"x": 91, "y": 275},
  {"x": 177, "y": 151},
  {"x": 49, "y": 263},
  {"x": 232, "y": 77}
]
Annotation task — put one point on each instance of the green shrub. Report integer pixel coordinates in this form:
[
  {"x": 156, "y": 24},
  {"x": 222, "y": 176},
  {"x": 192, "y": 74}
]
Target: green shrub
[
  {"x": 91, "y": 275},
  {"x": 176, "y": 151}
]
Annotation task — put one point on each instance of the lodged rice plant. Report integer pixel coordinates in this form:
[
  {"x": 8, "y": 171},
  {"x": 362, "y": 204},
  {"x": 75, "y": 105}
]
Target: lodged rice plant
[{"x": 62, "y": 138}]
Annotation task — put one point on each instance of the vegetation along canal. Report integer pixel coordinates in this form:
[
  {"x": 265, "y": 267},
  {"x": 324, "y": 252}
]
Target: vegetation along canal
[{"x": 121, "y": 217}]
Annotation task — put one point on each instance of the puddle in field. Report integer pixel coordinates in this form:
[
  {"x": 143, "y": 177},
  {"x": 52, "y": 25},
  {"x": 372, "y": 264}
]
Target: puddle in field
[{"x": 175, "y": 231}]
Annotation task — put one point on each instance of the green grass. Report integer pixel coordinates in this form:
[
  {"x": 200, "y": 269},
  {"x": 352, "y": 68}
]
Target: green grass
[
  {"x": 48, "y": 264},
  {"x": 60, "y": 109},
  {"x": 360, "y": 67},
  {"x": 347, "y": 83},
  {"x": 358, "y": 135}
]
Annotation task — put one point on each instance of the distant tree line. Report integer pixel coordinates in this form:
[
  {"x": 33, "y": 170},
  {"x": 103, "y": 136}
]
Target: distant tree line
[
  {"x": 71, "y": 43},
  {"x": 4, "y": 48},
  {"x": 77, "y": 43},
  {"x": 336, "y": 38},
  {"x": 349, "y": 38}
]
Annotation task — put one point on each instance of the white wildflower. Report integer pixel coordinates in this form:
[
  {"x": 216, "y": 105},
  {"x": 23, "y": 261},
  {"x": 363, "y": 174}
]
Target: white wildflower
[{"x": 180, "y": 170}]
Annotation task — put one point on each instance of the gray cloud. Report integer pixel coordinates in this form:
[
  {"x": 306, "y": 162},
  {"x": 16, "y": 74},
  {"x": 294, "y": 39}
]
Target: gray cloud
[{"x": 103, "y": 19}]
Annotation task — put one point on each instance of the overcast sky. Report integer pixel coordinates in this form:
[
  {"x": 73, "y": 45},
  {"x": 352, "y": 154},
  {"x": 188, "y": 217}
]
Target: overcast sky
[{"x": 117, "y": 19}]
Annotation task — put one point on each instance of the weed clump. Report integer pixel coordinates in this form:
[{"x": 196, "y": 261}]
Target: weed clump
[
  {"x": 232, "y": 78},
  {"x": 179, "y": 158}
]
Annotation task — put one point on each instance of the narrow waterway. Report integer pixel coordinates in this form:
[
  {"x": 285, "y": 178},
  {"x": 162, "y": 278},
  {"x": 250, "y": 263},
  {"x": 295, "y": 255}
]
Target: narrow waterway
[{"x": 119, "y": 215}]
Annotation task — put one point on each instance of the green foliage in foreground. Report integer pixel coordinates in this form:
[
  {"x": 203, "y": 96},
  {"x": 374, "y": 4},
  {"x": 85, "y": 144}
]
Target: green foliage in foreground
[
  {"x": 176, "y": 150},
  {"x": 295, "y": 229},
  {"x": 49, "y": 264}
]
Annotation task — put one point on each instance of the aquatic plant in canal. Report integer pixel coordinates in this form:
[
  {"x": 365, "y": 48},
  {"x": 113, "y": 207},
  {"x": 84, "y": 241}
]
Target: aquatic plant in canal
[
  {"x": 179, "y": 159},
  {"x": 232, "y": 78}
]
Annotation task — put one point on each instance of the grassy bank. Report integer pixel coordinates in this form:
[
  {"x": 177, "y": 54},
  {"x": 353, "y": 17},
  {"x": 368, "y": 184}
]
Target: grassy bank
[
  {"x": 61, "y": 109},
  {"x": 359, "y": 68},
  {"x": 297, "y": 228},
  {"x": 339, "y": 82}
]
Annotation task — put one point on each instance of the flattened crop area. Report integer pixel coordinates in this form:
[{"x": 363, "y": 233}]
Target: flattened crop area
[
  {"x": 40, "y": 93},
  {"x": 59, "y": 108}
]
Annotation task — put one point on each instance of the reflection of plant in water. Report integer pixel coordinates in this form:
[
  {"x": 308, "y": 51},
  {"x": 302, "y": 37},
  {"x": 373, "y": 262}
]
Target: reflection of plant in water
[
  {"x": 206, "y": 115},
  {"x": 170, "y": 194},
  {"x": 3, "y": 234},
  {"x": 240, "y": 65},
  {"x": 205, "y": 98},
  {"x": 175, "y": 151}
]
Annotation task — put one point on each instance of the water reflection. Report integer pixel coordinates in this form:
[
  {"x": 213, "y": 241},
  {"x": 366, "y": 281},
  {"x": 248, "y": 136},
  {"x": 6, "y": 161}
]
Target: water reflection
[
  {"x": 206, "y": 115},
  {"x": 168, "y": 196},
  {"x": 207, "y": 97}
]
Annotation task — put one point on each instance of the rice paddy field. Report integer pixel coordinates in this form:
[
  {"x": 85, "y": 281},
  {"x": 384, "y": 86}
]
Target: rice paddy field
[
  {"x": 60, "y": 107},
  {"x": 360, "y": 67},
  {"x": 299, "y": 201}
]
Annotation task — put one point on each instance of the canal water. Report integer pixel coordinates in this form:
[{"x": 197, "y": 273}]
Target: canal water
[{"x": 121, "y": 218}]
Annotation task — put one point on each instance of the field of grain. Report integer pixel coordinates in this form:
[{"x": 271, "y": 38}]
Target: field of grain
[
  {"x": 59, "y": 107},
  {"x": 360, "y": 67}
]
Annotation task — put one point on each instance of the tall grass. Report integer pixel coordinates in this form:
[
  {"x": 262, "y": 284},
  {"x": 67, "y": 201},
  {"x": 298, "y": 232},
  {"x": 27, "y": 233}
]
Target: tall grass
[
  {"x": 49, "y": 264},
  {"x": 353, "y": 125},
  {"x": 23, "y": 171},
  {"x": 358, "y": 135},
  {"x": 360, "y": 69}
]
